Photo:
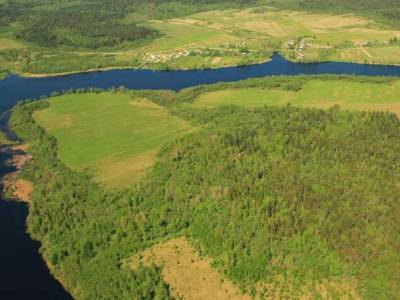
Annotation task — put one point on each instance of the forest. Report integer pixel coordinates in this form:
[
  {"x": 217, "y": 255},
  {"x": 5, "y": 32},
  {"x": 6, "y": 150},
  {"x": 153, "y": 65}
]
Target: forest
[
  {"x": 293, "y": 197},
  {"x": 89, "y": 25}
]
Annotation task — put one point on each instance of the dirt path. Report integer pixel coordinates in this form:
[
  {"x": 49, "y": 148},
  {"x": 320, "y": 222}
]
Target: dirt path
[
  {"x": 216, "y": 60},
  {"x": 366, "y": 52}
]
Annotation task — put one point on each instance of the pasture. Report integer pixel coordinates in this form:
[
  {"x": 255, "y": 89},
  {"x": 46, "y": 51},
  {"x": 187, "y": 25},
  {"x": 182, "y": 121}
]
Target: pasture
[
  {"x": 315, "y": 93},
  {"x": 116, "y": 135}
]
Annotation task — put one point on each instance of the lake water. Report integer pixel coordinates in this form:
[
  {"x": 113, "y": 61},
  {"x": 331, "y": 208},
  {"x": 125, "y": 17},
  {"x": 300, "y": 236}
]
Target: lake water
[
  {"x": 23, "y": 274},
  {"x": 15, "y": 88}
]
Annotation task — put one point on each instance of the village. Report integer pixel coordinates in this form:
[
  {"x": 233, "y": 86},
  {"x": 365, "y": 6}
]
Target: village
[{"x": 227, "y": 49}]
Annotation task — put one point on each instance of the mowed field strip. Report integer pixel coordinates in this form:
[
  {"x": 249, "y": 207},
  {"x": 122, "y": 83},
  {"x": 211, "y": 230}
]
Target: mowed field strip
[
  {"x": 315, "y": 93},
  {"x": 190, "y": 277},
  {"x": 115, "y": 134}
]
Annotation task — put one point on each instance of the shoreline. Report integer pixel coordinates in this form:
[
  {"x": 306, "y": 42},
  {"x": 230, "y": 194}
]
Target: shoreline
[
  {"x": 18, "y": 188},
  {"x": 21, "y": 190},
  {"x": 54, "y": 75},
  {"x": 50, "y": 75}
]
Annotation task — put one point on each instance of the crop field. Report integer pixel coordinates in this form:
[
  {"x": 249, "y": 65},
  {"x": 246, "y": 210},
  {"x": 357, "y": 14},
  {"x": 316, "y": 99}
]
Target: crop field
[
  {"x": 288, "y": 24},
  {"x": 266, "y": 28},
  {"x": 315, "y": 93},
  {"x": 178, "y": 35},
  {"x": 114, "y": 134}
]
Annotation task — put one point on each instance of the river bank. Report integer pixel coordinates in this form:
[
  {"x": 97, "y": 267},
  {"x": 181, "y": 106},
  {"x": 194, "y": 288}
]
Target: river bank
[
  {"x": 24, "y": 274},
  {"x": 14, "y": 187},
  {"x": 15, "y": 88},
  {"x": 181, "y": 68}
]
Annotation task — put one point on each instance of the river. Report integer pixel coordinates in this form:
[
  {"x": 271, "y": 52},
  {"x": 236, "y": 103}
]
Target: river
[{"x": 23, "y": 273}]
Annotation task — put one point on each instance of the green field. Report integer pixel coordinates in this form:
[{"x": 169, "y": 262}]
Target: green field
[
  {"x": 177, "y": 35},
  {"x": 315, "y": 93},
  {"x": 115, "y": 134}
]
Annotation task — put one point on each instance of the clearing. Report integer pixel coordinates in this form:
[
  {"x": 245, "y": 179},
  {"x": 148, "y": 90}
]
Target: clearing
[
  {"x": 189, "y": 276},
  {"x": 108, "y": 130},
  {"x": 315, "y": 93}
]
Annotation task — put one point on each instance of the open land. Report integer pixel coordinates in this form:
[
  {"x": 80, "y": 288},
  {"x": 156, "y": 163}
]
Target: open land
[
  {"x": 315, "y": 93},
  {"x": 189, "y": 275},
  {"x": 116, "y": 135}
]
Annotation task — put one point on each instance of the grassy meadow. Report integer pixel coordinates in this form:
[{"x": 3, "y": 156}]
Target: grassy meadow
[
  {"x": 116, "y": 135},
  {"x": 350, "y": 95}
]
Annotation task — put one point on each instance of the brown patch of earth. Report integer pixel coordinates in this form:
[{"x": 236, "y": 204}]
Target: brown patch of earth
[
  {"x": 216, "y": 60},
  {"x": 190, "y": 277},
  {"x": 20, "y": 188},
  {"x": 23, "y": 189}
]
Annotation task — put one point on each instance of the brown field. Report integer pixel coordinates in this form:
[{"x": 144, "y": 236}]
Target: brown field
[
  {"x": 190, "y": 277},
  {"x": 23, "y": 189}
]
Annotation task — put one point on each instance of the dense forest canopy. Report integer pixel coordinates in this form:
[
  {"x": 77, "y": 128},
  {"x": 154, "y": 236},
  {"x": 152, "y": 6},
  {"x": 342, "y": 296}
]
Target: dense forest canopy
[{"x": 289, "y": 196}]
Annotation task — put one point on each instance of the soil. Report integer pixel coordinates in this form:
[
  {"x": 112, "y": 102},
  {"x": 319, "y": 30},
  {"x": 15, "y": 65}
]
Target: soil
[{"x": 21, "y": 189}]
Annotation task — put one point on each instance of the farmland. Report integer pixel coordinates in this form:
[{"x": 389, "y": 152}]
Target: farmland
[
  {"x": 115, "y": 135},
  {"x": 195, "y": 37},
  {"x": 316, "y": 93}
]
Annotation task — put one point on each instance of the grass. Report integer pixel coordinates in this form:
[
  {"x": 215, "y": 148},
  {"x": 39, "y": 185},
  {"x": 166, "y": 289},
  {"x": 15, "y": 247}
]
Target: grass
[
  {"x": 315, "y": 93},
  {"x": 251, "y": 97},
  {"x": 106, "y": 131},
  {"x": 188, "y": 275},
  {"x": 178, "y": 35}
]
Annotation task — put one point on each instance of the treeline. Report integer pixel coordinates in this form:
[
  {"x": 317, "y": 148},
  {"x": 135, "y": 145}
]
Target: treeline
[
  {"x": 288, "y": 196},
  {"x": 88, "y": 30},
  {"x": 93, "y": 24}
]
